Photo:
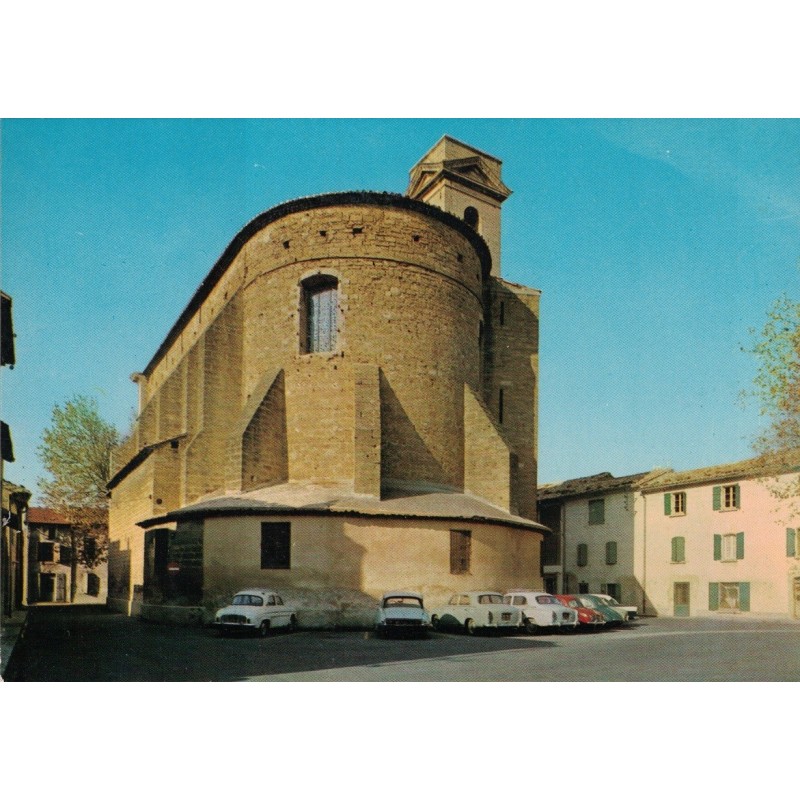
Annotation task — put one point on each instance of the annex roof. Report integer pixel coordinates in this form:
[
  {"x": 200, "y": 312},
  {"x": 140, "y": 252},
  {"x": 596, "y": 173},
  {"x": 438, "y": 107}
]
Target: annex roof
[{"x": 296, "y": 498}]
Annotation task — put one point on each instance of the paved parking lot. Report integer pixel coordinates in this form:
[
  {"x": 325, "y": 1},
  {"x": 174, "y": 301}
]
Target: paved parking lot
[{"x": 91, "y": 644}]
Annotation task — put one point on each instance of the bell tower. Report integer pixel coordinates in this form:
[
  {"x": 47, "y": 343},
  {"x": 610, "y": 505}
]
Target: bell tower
[{"x": 466, "y": 183}]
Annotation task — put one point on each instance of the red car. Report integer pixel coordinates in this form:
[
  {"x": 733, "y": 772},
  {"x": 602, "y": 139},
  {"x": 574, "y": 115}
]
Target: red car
[{"x": 588, "y": 618}]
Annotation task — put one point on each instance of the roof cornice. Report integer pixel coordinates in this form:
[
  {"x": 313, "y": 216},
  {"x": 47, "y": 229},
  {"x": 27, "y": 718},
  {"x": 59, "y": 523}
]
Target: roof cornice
[{"x": 307, "y": 204}]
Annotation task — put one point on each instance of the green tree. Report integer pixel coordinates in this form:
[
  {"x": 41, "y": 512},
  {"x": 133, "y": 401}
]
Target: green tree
[
  {"x": 777, "y": 387},
  {"x": 76, "y": 451}
]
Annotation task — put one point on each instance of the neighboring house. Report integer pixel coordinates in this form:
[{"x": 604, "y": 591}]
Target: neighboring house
[
  {"x": 719, "y": 541},
  {"x": 703, "y": 541},
  {"x": 595, "y": 547},
  {"x": 346, "y": 406},
  {"x": 50, "y": 562}
]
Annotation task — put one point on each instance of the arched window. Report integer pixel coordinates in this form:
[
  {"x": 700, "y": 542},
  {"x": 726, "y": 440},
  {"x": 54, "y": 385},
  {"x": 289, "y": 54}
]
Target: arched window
[
  {"x": 471, "y": 217},
  {"x": 320, "y": 303}
]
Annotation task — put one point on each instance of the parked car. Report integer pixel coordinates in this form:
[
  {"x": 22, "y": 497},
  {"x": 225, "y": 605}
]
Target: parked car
[
  {"x": 470, "y": 611},
  {"x": 588, "y": 618},
  {"x": 402, "y": 612},
  {"x": 613, "y": 618},
  {"x": 631, "y": 611},
  {"x": 255, "y": 611},
  {"x": 541, "y": 611}
]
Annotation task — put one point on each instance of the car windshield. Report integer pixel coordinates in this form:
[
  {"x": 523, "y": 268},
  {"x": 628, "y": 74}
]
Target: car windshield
[
  {"x": 402, "y": 602},
  {"x": 609, "y": 601},
  {"x": 490, "y": 599},
  {"x": 590, "y": 602},
  {"x": 247, "y": 600},
  {"x": 546, "y": 599}
]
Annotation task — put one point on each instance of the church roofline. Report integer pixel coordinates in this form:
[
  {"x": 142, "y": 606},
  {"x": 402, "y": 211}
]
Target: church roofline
[
  {"x": 447, "y": 137},
  {"x": 362, "y": 198}
]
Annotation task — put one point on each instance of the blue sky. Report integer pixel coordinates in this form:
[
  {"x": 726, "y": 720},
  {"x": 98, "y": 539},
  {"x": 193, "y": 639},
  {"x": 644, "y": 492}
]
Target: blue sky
[{"x": 657, "y": 245}]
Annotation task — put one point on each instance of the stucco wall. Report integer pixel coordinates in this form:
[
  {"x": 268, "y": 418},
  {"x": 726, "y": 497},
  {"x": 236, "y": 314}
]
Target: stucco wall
[
  {"x": 618, "y": 527},
  {"x": 340, "y": 566},
  {"x": 765, "y": 565}
]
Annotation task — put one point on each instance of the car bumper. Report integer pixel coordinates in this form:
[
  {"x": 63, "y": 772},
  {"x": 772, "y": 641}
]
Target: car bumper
[{"x": 234, "y": 626}]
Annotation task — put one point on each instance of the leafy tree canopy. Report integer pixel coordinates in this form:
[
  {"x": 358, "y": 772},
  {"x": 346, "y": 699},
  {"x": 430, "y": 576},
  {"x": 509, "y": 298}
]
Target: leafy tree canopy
[
  {"x": 75, "y": 450},
  {"x": 777, "y": 382}
]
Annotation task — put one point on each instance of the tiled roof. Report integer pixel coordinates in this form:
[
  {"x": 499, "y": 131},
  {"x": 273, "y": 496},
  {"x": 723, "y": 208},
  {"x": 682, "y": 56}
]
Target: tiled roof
[
  {"x": 602, "y": 483},
  {"x": 45, "y": 516},
  {"x": 776, "y": 464},
  {"x": 299, "y": 498}
]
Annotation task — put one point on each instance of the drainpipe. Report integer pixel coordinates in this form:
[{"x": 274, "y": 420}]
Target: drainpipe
[{"x": 644, "y": 555}]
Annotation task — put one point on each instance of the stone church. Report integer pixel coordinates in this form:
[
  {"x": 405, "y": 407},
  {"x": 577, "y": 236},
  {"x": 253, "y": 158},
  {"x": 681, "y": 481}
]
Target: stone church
[{"x": 347, "y": 405}]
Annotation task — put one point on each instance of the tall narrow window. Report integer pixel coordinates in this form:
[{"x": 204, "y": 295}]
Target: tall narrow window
[
  {"x": 320, "y": 304},
  {"x": 500, "y": 406},
  {"x": 460, "y": 552},
  {"x": 276, "y": 545},
  {"x": 471, "y": 217},
  {"x": 611, "y": 552},
  {"x": 583, "y": 555}
]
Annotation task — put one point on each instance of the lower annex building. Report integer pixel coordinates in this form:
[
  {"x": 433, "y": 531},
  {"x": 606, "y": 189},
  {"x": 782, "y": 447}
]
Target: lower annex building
[{"x": 347, "y": 405}]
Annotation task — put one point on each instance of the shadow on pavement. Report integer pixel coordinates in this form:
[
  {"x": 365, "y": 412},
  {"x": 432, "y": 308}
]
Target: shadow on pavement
[{"x": 92, "y": 644}]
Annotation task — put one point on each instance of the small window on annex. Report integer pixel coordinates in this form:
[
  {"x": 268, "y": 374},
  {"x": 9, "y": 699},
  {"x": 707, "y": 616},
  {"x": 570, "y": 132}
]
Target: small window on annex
[
  {"x": 319, "y": 314},
  {"x": 276, "y": 543},
  {"x": 460, "y": 552}
]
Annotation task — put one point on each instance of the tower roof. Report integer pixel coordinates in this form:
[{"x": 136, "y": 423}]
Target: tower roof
[{"x": 461, "y": 163}]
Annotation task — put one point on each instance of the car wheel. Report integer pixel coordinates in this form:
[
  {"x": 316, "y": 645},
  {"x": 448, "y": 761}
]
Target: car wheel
[
  {"x": 469, "y": 627},
  {"x": 531, "y": 627},
  {"x": 263, "y": 628},
  {"x": 435, "y": 622},
  {"x": 292, "y": 624}
]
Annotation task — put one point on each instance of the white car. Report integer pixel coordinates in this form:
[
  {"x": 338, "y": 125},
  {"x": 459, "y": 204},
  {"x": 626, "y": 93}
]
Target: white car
[
  {"x": 470, "y": 611},
  {"x": 628, "y": 612},
  {"x": 402, "y": 612},
  {"x": 541, "y": 611},
  {"x": 256, "y": 611}
]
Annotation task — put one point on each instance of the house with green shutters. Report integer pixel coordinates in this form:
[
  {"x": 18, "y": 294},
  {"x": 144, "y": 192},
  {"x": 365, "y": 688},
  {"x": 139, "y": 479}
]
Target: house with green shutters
[
  {"x": 720, "y": 540},
  {"x": 596, "y": 546},
  {"x": 700, "y": 542}
]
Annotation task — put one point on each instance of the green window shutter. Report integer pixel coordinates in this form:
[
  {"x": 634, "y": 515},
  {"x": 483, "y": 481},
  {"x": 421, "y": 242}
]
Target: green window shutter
[
  {"x": 717, "y": 547},
  {"x": 740, "y": 545},
  {"x": 583, "y": 554},
  {"x": 674, "y": 549},
  {"x": 680, "y": 548},
  {"x": 791, "y": 542},
  {"x": 667, "y": 504},
  {"x": 713, "y": 596},
  {"x": 744, "y": 597},
  {"x": 611, "y": 552},
  {"x": 736, "y": 495},
  {"x": 717, "y": 498}
]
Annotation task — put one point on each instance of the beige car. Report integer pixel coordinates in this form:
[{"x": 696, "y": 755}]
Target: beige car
[{"x": 473, "y": 611}]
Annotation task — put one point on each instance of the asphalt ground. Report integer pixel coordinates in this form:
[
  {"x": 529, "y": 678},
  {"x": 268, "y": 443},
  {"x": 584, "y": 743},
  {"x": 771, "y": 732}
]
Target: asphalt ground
[{"x": 92, "y": 644}]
